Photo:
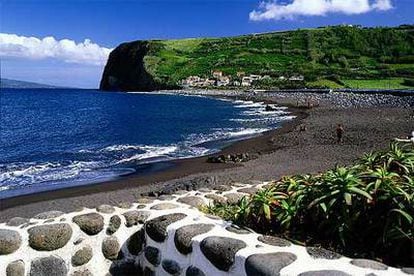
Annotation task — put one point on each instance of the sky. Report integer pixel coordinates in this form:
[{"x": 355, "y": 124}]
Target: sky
[{"x": 67, "y": 43}]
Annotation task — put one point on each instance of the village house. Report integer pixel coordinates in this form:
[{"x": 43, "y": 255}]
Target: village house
[
  {"x": 223, "y": 81},
  {"x": 297, "y": 78},
  {"x": 217, "y": 74}
]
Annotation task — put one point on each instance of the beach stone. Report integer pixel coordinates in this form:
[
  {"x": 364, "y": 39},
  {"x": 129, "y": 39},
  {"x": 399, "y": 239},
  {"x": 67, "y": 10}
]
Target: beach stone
[
  {"x": 194, "y": 271},
  {"x": 204, "y": 190},
  {"x": 157, "y": 228},
  {"x": 10, "y": 241},
  {"x": 233, "y": 198},
  {"x": 84, "y": 272},
  {"x": 49, "y": 237},
  {"x": 106, "y": 209},
  {"x": 48, "y": 221},
  {"x": 164, "y": 206},
  {"x": 114, "y": 224},
  {"x": 221, "y": 251},
  {"x": 172, "y": 267},
  {"x": 110, "y": 248},
  {"x": 184, "y": 235},
  {"x": 238, "y": 230},
  {"x": 125, "y": 205},
  {"x": 82, "y": 256},
  {"x": 250, "y": 190},
  {"x": 321, "y": 253},
  {"x": 324, "y": 273},
  {"x": 216, "y": 198},
  {"x": 124, "y": 268},
  {"x": 49, "y": 215},
  {"x": 364, "y": 263},
  {"x": 15, "y": 268},
  {"x": 275, "y": 241},
  {"x": 153, "y": 255},
  {"x": 408, "y": 270},
  {"x": 48, "y": 266},
  {"x": 180, "y": 192},
  {"x": 135, "y": 217},
  {"x": 91, "y": 223},
  {"x": 268, "y": 264},
  {"x": 136, "y": 242},
  {"x": 145, "y": 200},
  {"x": 17, "y": 221},
  {"x": 141, "y": 206},
  {"x": 166, "y": 197},
  {"x": 193, "y": 201},
  {"x": 222, "y": 188}
]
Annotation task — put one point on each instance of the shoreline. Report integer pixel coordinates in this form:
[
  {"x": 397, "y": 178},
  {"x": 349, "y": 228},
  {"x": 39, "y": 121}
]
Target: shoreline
[{"x": 280, "y": 152}]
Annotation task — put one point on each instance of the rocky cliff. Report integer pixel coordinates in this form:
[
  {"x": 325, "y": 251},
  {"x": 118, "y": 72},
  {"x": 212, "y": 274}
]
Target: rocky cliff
[{"x": 125, "y": 69}]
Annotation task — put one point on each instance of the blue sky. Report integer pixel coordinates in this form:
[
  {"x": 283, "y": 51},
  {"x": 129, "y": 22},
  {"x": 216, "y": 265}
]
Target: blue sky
[{"x": 108, "y": 23}]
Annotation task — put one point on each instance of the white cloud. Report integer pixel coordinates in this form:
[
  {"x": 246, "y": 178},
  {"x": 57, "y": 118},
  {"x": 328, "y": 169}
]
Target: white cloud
[
  {"x": 66, "y": 50},
  {"x": 277, "y": 10}
]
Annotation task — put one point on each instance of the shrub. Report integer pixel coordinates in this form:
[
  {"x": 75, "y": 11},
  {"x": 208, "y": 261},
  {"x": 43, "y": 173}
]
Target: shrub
[{"x": 366, "y": 209}]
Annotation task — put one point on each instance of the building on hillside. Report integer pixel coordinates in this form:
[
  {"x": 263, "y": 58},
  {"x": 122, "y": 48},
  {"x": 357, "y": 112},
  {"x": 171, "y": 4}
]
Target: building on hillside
[
  {"x": 246, "y": 81},
  {"x": 217, "y": 74},
  {"x": 223, "y": 81},
  {"x": 297, "y": 78}
]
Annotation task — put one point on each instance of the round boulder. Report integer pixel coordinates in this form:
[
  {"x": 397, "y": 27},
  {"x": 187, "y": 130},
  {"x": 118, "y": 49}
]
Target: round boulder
[
  {"x": 114, "y": 224},
  {"x": 233, "y": 198},
  {"x": 321, "y": 253},
  {"x": 184, "y": 235},
  {"x": 216, "y": 198},
  {"x": 157, "y": 228},
  {"x": 105, "y": 209},
  {"x": 153, "y": 255},
  {"x": 82, "y": 256},
  {"x": 164, "y": 206},
  {"x": 136, "y": 242},
  {"x": 49, "y": 215},
  {"x": 110, "y": 248},
  {"x": 194, "y": 271},
  {"x": 268, "y": 264},
  {"x": 49, "y": 237},
  {"x": 274, "y": 241},
  {"x": 193, "y": 201},
  {"x": 17, "y": 221},
  {"x": 15, "y": 268},
  {"x": 364, "y": 263},
  {"x": 91, "y": 223},
  {"x": 172, "y": 267},
  {"x": 135, "y": 217},
  {"x": 10, "y": 241},
  {"x": 221, "y": 251},
  {"x": 48, "y": 266}
]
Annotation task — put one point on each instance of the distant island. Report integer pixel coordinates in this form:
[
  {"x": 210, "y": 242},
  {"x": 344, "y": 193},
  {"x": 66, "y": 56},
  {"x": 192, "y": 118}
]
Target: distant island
[
  {"x": 8, "y": 83},
  {"x": 343, "y": 56}
]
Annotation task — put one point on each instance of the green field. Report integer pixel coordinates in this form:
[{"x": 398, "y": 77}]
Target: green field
[
  {"x": 339, "y": 56},
  {"x": 394, "y": 83}
]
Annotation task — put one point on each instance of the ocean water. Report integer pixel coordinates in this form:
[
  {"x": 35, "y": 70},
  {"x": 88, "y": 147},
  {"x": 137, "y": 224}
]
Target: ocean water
[{"x": 55, "y": 138}]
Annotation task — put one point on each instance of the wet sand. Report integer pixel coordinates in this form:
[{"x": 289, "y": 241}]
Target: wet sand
[{"x": 284, "y": 151}]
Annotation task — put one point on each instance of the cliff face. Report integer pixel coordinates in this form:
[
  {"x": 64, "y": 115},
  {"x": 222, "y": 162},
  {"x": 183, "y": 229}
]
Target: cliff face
[{"x": 125, "y": 70}]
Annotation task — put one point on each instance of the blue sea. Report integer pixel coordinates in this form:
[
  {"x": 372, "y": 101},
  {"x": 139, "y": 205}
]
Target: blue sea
[{"x": 55, "y": 138}]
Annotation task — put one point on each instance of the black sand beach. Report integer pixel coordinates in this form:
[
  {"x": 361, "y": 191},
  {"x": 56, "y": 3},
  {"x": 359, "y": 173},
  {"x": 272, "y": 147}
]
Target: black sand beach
[{"x": 284, "y": 151}]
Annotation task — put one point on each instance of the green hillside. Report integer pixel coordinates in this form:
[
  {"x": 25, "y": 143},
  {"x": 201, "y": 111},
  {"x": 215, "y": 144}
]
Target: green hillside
[{"x": 333, "y": 53}]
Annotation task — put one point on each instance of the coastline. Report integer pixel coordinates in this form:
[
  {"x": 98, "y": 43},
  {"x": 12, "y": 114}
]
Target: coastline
[{"x": 286, "y": 149}]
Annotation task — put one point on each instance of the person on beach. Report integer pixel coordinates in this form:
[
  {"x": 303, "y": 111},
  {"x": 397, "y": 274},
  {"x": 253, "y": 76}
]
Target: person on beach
[{"x": 339, "y": 133}]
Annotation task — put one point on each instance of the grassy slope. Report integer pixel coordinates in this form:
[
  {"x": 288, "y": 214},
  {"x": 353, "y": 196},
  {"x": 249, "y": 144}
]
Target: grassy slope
[{"x": 334, "y": 53}]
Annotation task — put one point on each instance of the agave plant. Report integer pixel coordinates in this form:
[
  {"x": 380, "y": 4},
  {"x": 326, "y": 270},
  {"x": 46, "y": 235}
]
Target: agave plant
[
  {"x": 371, "y": 160},
  {"x": 339, "y": 185},
  {"x": 400, "y": 160},
  {"x": 264, "y": 201},
  {"x": 383, "y": 179}
]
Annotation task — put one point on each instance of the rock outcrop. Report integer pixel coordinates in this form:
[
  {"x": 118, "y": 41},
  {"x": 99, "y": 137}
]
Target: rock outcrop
[{"x": 125, "y": 69}]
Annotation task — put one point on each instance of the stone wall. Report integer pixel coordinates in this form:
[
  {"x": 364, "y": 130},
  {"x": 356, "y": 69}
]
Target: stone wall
[{"x": 167, "y": 235}]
